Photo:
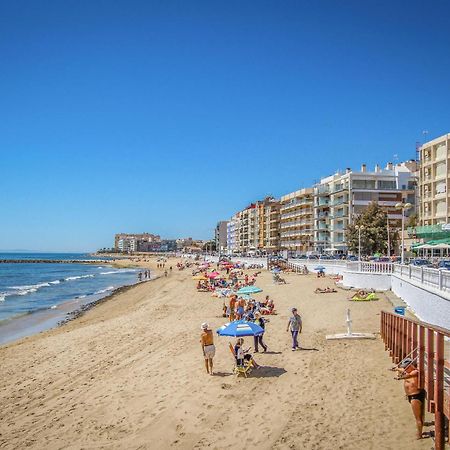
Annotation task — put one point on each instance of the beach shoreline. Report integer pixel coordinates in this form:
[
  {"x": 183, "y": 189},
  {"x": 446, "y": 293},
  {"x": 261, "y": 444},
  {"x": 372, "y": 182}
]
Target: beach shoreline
[
  {"x": 129, "y": 374},
  {"x": 40, "y": 320}
]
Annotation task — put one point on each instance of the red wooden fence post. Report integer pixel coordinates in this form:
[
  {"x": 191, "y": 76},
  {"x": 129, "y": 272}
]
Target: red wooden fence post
[
  {"x": 430, "y": 369},
  {"x": 421, "y": 356},
  {"x": 439, "y": 420}
]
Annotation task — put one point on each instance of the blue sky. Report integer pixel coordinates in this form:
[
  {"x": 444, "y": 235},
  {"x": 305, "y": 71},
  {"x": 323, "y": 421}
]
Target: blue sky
[{"x": 166, "y": 116}]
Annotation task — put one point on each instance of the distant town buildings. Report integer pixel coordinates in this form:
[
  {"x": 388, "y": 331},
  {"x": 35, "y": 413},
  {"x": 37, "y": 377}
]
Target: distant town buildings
[{"x": 144, "y": 242}]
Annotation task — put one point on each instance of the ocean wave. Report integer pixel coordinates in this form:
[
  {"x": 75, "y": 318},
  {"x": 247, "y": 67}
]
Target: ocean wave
[
  {"x": 102, "y": 291},
  {"x": 119, "y": 271},
  {"x": 78, "y": 277}
]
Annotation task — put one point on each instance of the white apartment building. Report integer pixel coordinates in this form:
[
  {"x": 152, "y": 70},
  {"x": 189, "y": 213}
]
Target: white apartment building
[
  {"x": 233, "y": 235},
  {"x": 126, "y": 245},
  {"x": 434, "y": 182},
  {"x": 296, "y": 221},
  {"x": 341, "y": 197}
]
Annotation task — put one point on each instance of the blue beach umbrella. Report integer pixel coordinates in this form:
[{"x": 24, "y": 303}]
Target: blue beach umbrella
[
  {"x": 240, "y": 328},
  {"x": 245, "y": 296},
  {"x": 249, "y": 290},
  {"x": 320, "y": 268}
]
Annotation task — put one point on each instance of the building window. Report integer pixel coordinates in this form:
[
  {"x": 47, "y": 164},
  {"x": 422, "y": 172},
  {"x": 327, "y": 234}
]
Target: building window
[
  {"x": 387, "y": 184},
  {"x": 363, "y": 184}
]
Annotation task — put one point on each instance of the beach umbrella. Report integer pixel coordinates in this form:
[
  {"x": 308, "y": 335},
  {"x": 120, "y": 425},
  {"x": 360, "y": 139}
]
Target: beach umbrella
[
  {"x": 240, "y": 328},
  {"x": 245, "y": 296},
  {"x": 212, "y": 274},
  {"x": 320, "y": 268},
  {"x": 249, "y": 290},
  {"x": 199, "y": 277}
]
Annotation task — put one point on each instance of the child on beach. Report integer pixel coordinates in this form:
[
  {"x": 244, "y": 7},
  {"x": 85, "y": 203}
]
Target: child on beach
[{"x": 243, "y": 355}]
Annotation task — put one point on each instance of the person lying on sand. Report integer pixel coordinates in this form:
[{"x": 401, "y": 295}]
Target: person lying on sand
[
  {"x": 408, "y": 372},
  {"x": 326, "y": 290},
  {"x": 243, "y": 355},
  {"x": 361, "y": 294}
]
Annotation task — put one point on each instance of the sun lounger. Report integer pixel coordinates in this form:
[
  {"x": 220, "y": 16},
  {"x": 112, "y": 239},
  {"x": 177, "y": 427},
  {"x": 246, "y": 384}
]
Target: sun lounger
[{"x": 367, "y": 298}]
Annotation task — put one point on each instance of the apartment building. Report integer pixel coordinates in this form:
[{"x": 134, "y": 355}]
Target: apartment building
[
  {"x": 341, "y": 197},
  {"x": 249, "y": 229},
  {"x": 233, "y": 234},
  {"x": 268, "y": 225},
  {"x": 255, "y": 228},
  {"x": 296, "y": 221},
  {"x": 434, "y": 182},
  {"x": 220, "y": 235}
]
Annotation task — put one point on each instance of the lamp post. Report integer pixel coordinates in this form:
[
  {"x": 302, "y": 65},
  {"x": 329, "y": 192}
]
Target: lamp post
[
  {"x": 359, "y": 228},
  {"x": 404, "y": 207}
]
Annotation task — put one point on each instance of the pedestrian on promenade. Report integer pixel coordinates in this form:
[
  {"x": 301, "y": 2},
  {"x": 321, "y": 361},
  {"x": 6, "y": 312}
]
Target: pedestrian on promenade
[
  {"x": 209, "y": 350},
  {"x": 295, "y": 326}
]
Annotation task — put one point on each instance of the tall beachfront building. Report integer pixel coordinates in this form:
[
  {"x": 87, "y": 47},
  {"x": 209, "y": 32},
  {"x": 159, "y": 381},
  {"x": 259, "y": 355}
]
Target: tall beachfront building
[
  {"x": 255, "y": 228},
  {"x": 269, "y": 225},
  {"x": 233, "y": 235},
  {"x": 340, "y": 198},
  {"x": 296, "y": 222},
  {"x": 434, "y": 183}
]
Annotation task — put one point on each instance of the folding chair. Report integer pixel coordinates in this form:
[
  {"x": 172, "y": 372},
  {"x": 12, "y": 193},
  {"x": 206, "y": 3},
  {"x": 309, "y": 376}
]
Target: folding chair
[{"x": 245, "y": 369}]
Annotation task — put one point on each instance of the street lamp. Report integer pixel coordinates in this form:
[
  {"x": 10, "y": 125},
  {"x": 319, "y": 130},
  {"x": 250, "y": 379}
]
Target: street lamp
[
  {"x": 404, "y": 207},
  {"x": 359, "y": 228}
]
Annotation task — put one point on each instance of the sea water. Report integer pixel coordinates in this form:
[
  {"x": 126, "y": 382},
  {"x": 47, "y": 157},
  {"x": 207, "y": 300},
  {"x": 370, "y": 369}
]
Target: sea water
[{"x": 44, "y": 290}]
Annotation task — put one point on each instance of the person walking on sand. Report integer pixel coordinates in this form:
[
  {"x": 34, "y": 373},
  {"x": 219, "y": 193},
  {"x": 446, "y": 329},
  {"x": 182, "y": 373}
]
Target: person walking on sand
[
  {"x": 259, "y": 339},
  {"x": 295, "y": 325},
  {"x": 209, "y": 350},
  {"x": 408, "y": 372}
]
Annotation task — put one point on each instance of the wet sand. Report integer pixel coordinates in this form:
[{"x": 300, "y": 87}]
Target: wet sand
[{"x": 129, "y": 374}]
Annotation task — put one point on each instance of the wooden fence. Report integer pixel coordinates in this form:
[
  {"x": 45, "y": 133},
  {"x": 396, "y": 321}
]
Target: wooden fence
[{"x": 426, "y": 343}]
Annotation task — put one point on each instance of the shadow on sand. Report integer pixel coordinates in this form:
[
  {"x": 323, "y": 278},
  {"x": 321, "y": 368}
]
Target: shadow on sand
[
  {"x": 267, "y": 372},
  {"x": 223, "y": 374}
]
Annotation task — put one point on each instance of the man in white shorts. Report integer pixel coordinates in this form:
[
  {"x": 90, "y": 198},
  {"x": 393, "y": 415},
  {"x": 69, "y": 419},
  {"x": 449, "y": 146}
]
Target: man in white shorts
[{"x": 209, "y": 350}]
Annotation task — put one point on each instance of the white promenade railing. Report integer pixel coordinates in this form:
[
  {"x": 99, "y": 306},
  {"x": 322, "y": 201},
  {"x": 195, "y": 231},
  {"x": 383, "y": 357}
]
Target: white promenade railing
[
  {"x": 370, "y": 267},
  {"x": 435, "y": 278}
]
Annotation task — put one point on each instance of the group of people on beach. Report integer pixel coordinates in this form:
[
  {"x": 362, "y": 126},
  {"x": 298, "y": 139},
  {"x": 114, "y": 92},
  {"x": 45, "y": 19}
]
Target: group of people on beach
[
  {"x": 145, "y": 275},
  {"x": 244, "y": 356},
  {"x": 240, "y": 308}
]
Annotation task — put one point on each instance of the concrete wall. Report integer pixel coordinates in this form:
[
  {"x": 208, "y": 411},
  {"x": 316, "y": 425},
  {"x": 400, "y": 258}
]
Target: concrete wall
[
  {"x": 362, "y": 280},
  {"x": 428, "y": 306},
  {"x": 330, "y": 268}
]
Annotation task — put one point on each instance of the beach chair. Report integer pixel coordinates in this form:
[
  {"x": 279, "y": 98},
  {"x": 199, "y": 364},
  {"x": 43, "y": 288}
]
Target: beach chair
[{"x": 245, "y": 369}]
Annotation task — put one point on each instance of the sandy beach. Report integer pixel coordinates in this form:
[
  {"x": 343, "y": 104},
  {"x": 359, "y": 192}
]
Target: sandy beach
[{"x": 129, "y": 374}]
